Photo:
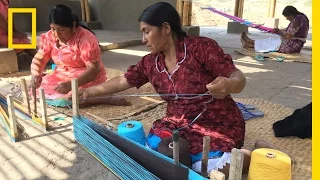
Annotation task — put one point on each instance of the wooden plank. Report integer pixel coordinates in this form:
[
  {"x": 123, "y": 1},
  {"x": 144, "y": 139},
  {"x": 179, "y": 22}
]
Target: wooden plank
[
  {"x": 25, "y": 94},
  {"x": 12, "y": 117},
  {"x": 205, "y": 153},
  {"x": 272, "y": 8},
  {"x": 236, "y": 165},
  {"x": 75, "y": 98},
  {"x": 180, "y": 9},
  {"x": 217, "y": 175},
  {"x": 43, "y": 109}
]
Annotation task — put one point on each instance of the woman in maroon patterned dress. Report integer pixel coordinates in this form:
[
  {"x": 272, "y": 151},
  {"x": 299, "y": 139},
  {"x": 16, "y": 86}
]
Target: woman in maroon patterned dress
[{"x": 180, "y": 64}]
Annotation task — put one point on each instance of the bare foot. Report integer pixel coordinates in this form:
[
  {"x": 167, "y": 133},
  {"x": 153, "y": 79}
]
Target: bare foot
[
  {"x": 243, "y": 42},
  {"x": 119, "y": 101}
]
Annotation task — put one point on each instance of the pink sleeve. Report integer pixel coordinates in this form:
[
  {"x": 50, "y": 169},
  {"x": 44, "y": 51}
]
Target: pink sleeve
[
  {"x": 89, "y": 49},
  {"x": 45, "y": 45}
]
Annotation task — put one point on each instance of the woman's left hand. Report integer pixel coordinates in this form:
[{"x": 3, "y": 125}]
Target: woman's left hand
[
  {"x": 220, "y": 87},
  {"x": 63, "y": 87}
]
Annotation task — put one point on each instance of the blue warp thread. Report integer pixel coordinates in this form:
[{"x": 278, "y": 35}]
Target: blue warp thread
[{"x": 132, "y": 130}]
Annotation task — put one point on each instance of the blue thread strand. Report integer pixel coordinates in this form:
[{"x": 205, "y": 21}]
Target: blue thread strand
[{"x": 109, "y": 155}]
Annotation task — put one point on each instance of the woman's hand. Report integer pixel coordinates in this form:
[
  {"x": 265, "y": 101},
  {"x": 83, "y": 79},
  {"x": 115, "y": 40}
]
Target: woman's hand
[
  {"x": 82, "y": 93},
  {"x": 276, "y": 30},
  {"x": 220, "y": 87},
  {"x": 36, "y": 81},
  {"x": 63, "y": 87}
]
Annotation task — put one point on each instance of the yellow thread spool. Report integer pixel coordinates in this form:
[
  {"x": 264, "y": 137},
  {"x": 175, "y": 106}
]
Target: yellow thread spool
[{"x": 269, "y": 164}]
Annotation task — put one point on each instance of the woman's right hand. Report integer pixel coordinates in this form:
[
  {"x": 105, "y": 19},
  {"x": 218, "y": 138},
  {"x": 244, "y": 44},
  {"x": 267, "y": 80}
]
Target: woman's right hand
[
  {"x": 276, "y": 30},
  {"x": 36, "y": 81}
]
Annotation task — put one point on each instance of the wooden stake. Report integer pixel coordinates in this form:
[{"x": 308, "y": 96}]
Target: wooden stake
[
  {"x": 177, "y": 6},
  {"x": 75, "y": 97},
  {"x": 87, "y": 9},
  {"x": 43, "y": 106},
  {"x": 83, "y": 12},
  {"x": 26, "y": 98},
  {"x": 175, "y": 138},
  {"x": 217, "y": 175},
  {"x": 236, "y": 165},
  {"x": 12, "y": 117},
  {"x": 185, "y": 13},
  {"x": 34, "y": 94},
  {"x": 205, "y": 153},
  {"x": 190, "y": 13}
]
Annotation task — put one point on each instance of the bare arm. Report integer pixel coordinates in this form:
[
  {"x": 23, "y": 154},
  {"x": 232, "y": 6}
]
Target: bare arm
[
  {"x": 39, "y": 61},
  {"x": 111, "y": 86},
  {"x": 238, "y": 81}
]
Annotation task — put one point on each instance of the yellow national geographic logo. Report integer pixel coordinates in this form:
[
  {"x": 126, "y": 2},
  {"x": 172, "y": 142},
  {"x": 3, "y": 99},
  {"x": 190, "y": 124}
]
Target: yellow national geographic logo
[{"x": 33, "y": 44}]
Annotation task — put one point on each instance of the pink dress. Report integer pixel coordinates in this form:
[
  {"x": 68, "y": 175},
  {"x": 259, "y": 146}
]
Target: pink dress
[
  {"x": 3, "y": 34},
  {"x": 71, "y": 60}
]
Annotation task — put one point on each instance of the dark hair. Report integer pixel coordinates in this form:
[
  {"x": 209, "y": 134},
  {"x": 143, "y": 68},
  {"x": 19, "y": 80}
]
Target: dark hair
[
  {"x": 158, "y": 13},
  {"x": 292, "y": 11},
  {"x": 62, "y": 15}
]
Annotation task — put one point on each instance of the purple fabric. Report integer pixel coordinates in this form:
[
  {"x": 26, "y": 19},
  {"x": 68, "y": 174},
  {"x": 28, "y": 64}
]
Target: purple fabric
[{"x": 303, "y": 30}]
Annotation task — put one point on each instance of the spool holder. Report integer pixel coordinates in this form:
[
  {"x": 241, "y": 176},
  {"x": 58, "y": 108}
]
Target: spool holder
[{"x": 129, "y": 125}]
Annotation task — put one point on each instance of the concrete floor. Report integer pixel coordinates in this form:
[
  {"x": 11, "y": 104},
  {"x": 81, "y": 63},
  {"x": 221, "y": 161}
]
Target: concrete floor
[{"x": 56, "y": 155}]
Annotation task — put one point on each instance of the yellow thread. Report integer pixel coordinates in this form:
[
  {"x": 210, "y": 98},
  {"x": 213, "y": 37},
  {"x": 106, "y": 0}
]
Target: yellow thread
[{"x": 269, "y": 164}]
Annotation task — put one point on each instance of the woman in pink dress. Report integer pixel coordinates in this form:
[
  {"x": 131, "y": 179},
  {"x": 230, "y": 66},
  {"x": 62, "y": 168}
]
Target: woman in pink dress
[
  {"x": 195, "y": 77},
  {"x": 18, "y": 37},
  {"x": 75, "y": 51}
]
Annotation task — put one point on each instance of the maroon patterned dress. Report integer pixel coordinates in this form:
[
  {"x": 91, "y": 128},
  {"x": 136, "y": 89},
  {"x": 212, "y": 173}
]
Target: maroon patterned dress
[{"x": 200, "y": 61}]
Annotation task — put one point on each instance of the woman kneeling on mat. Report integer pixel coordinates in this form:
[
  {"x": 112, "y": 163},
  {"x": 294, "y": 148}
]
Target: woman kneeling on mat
[
  {"x": 179, "y": 65},
  {"x": 292, "y": 38},
  {"x": 75, "y": 51}
]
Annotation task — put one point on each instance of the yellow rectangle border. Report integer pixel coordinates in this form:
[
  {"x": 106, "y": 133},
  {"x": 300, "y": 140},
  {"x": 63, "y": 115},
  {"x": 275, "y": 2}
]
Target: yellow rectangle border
[{"x": 33, "y": 44}]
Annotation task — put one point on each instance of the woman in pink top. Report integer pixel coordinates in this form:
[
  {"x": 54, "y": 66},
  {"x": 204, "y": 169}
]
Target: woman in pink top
[
  {"x": 75, "y": 51},
  {"x": 18, "y": 37}
]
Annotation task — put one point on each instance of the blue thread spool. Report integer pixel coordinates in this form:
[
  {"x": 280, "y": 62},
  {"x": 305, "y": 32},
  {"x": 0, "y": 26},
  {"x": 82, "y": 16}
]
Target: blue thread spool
[
  {"x": 132, "y": 130},
  {"x": 53, "y": 66}
]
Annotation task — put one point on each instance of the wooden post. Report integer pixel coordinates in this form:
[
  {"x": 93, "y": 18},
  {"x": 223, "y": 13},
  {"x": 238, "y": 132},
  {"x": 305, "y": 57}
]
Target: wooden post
[
  {"x": 83, "y": 12},
  {"x": 87, "y": 9},
  {"x": 180, "y": 9},
  {"x": 43, "y": 106},
  {"x": 177, "y": 6},
  {"x": 12, "y": 117},
  {"x": 272, "y": 8},
  {"x": 205, "y": 153},
  {"x": 25, "y": 94},
  {"x": 217, "y": 175},
  {"x": 236, "y": 8},
  {"x": 190, "y": 13},
  {"x": 75, "y": 97},
  {"x": 236, "y": 164},
  {"x": 185, "y": 13},
  {"x": 175, "y": 138},
  {"x": 240, "y": 11}
]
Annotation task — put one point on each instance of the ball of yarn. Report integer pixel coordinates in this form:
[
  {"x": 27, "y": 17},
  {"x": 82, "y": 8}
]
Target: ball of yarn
[
  {"x": 132, "y": 130},
  {"x": 269, "y": 164}
]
